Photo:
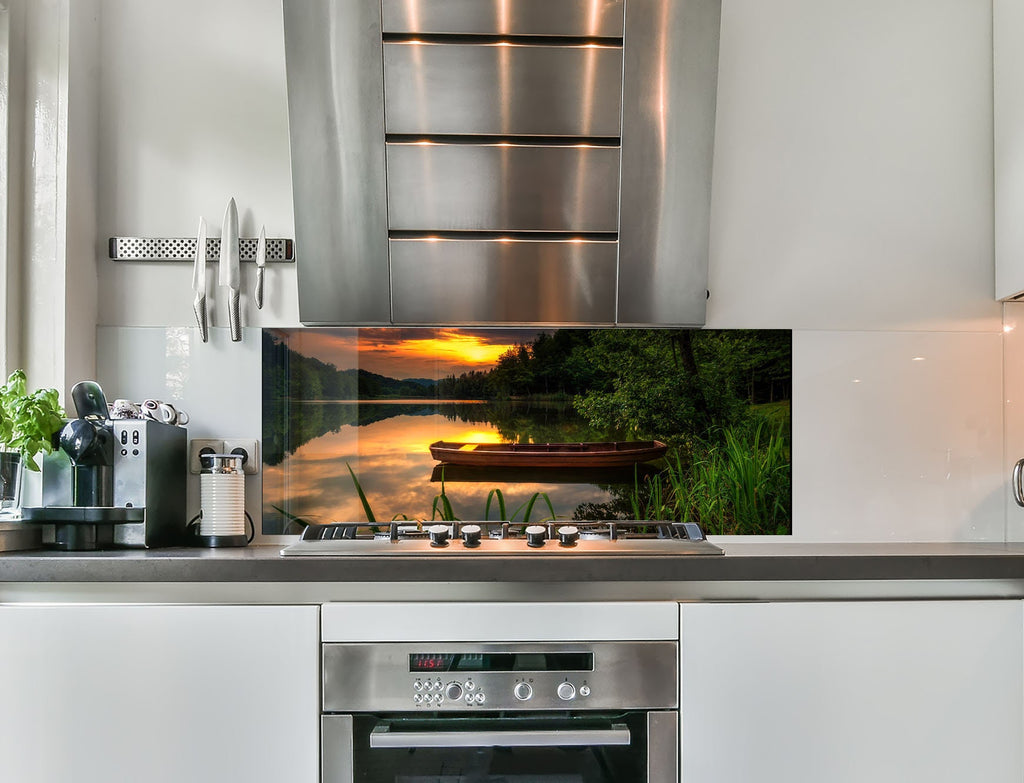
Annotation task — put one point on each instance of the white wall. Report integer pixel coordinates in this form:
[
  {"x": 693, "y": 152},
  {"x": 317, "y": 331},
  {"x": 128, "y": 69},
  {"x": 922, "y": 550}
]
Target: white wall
[
  {"x": 194, "y": 112},
  {"x": 852, "y": 203}
]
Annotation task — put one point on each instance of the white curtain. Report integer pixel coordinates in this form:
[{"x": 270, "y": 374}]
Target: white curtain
[
  {"x": 5, "y": 187},
  {"x": 48, "y": 247}
]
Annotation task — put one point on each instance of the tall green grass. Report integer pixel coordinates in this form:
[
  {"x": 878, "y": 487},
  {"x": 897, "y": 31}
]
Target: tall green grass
[
  {"x": 442, "y": 510},
  {"x": 736, "y": 484}
]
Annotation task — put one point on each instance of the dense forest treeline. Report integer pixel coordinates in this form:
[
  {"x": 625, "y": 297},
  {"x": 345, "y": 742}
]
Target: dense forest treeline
[
  {"x": 289, "y": 374},
  {"x": 753, "y": 366}
]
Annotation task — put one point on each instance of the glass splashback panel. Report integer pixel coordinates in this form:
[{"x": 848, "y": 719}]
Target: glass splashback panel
[{"x": 350, "y": 416}]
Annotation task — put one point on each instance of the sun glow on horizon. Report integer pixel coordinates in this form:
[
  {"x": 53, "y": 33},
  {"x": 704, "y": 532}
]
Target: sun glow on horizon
[{"x": 446, "y": 351}]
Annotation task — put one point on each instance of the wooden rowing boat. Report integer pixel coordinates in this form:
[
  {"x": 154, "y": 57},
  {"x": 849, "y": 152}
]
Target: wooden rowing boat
[{"x": 548, "y": 455}]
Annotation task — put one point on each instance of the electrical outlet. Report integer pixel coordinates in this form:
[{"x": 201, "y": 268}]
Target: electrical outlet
[
  {"x": 248, "y": 448},
  {"x": 198, "y": 446}
]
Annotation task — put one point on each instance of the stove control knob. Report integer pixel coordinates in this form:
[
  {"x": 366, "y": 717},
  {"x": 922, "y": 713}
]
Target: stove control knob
[
  {"x": 535, "y": 535},
  {"x": 438, "y": 535},
  {"x": 522, "y": 691},
  {"x": 453, "y": 692},
  {"x": 471, "y": 535},
  {"x": 568, "y": 535},
  {"x": 566, "y": 691}
]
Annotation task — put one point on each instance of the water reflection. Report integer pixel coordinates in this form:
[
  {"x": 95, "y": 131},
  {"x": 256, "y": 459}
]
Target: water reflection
[{"x": 386, "y": 443}]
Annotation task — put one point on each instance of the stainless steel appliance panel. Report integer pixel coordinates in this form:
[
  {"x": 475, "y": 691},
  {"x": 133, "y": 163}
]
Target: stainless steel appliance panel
[
  {"x": 670, "y": 67},
  {"x": 336, "y": 124},
  {"x": 662, "y": 746},
  {"x": 502, "y": 89},
  {"x": 150, "y": 472},
  {"x": 595, "y": 18},
  {"x": 512, "y": 281},
  {"x": 376, "y": 678},
  {"x": 336, "y": 743},
  {"x": 502, "y": 187}
]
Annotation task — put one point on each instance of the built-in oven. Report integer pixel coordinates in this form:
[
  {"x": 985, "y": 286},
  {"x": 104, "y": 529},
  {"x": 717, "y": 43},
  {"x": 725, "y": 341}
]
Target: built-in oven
[{"x": 517, "y": 712}]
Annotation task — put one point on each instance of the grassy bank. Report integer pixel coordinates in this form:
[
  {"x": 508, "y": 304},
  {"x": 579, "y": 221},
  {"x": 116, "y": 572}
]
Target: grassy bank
[{"x": 736, "y": 484}]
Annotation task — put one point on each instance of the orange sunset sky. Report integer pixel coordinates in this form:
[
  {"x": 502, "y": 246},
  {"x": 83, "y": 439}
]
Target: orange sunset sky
[{"x": 407, "y": 353}]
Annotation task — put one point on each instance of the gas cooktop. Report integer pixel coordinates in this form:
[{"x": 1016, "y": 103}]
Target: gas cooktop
[{"x": 469, "y": 539}]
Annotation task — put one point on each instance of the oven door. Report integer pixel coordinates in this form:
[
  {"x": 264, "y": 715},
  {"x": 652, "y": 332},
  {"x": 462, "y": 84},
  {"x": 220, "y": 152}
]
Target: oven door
[{"x": 630, "y": 747}]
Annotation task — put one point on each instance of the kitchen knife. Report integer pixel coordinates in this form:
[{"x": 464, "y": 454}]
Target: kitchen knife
[
  {"x": 229, "y": 274},
  {"x": 261, "y": 262},
  {"x": 199, "y": 281}
]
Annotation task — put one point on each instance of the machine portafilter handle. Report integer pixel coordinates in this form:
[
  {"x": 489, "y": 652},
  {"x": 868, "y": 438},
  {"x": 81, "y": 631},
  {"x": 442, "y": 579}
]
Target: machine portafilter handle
[{"x": 89, "y": 443}]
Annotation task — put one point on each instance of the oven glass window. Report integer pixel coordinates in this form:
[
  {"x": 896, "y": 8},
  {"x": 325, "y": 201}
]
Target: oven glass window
[{"x": 480, "y": 759}]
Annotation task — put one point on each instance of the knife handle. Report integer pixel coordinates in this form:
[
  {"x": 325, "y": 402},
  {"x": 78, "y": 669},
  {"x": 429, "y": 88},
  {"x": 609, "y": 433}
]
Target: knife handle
[
  {"x": 199, "y": 306},
  {"x": 258, "y": 294},
  {"x": 234, "y": 317}
]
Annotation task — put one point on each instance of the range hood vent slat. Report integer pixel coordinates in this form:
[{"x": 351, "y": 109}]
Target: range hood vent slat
[{"x": 491, "y": 39}]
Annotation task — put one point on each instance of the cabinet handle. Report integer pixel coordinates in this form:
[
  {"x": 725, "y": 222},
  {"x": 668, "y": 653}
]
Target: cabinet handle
[
  {"x": 1018, "y": 487},
  {"x": 382, "y": 737}
]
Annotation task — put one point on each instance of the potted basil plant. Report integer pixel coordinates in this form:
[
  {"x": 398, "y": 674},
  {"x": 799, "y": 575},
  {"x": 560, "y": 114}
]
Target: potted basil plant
[{"x": 28, "y": 423}]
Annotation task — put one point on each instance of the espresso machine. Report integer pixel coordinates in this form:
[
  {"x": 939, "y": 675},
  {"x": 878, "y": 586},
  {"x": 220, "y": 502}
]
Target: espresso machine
[{"x": 112, "y": 482}]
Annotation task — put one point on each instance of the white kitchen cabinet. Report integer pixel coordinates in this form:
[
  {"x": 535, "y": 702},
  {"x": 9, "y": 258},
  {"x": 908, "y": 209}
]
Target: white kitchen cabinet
[
  {"x": 898, "y": 692},
  {"x": 161, "y": 694},
  {"x": 1008, "y": 133}
]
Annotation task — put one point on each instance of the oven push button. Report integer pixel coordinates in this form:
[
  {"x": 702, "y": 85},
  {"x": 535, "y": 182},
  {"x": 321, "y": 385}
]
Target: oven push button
[{"x": 522, "y": 691}]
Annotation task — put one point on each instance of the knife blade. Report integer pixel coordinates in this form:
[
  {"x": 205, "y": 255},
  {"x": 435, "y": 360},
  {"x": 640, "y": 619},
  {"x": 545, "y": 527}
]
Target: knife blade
[
  {"x": 261, "y": 262},
  {"x": 229, "y": 273},
  {"x": 199, "y": 281}
]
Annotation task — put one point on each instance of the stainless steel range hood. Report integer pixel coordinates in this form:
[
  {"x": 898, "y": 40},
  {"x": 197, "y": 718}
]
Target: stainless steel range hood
[{"x": 502, "y": 162}]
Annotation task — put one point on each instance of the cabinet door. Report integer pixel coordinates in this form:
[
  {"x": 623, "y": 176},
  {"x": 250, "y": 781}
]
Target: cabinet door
[
  {"x": 162, "y": 694},
  {"x": 882, "y": 691},
  {"x": 1008, "y": 121}
]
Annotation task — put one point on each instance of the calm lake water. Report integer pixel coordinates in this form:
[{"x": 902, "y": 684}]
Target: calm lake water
[{"x": 308, "y": 444}]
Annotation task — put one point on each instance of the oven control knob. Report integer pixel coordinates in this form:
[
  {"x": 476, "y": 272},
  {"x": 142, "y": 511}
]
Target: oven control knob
[
  {"x": 471, "y": 535},
  {"x": 438, "y": 535},
  {"x": 584, "y": 690},
  {"x": 453, "y": 692},
  {"x": 568, "y": 535},
  {"x": 566, "y": 691},
  {"x": 535, "y": 535},
  {"x": 522, "y": 691}
]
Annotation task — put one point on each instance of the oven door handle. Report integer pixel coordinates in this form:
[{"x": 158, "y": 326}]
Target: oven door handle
[{"x": 383, "y": 737}]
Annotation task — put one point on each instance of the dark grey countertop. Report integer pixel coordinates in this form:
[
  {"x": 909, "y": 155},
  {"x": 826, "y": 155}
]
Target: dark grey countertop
[{"x": 742, "y": 562}]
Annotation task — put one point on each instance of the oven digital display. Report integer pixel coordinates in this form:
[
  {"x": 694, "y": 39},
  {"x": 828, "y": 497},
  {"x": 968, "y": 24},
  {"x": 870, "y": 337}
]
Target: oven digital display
[{"x": 502, "y": 662}]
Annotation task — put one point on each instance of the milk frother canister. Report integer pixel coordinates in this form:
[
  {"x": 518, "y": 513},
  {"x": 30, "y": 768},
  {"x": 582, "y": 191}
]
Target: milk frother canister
[{"x": 222, "y": 498}]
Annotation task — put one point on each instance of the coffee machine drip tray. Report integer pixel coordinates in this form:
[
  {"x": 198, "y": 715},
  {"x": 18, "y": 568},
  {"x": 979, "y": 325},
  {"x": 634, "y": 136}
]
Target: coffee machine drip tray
[
  {"x": 89, "y": 515},
  {"x": 78, "y": 528}
]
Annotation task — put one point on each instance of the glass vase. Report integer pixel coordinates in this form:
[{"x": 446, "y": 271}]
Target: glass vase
[{"x": 11, "y": 469}]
